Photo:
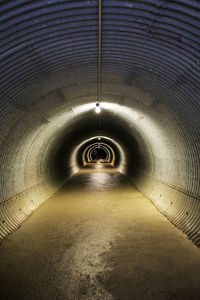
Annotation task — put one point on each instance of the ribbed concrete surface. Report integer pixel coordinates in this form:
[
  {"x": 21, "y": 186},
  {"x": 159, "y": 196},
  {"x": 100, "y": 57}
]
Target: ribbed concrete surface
[{"x": 98, "y": 238}]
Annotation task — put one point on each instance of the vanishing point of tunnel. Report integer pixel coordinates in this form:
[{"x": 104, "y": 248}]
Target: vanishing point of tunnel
[{"x": 99, "y": 149}]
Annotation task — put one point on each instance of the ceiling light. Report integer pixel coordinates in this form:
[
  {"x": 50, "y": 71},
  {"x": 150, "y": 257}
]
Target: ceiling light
[{"x": 98, "y": 108}]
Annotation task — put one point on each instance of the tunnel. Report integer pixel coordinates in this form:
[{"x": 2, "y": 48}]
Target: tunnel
[{"x": 100, "y": 86}]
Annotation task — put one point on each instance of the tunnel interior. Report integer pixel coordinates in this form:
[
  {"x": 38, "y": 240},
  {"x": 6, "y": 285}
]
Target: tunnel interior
[
  {"x": 98, "y": 153},
  {"x": 149, "y": 120}
]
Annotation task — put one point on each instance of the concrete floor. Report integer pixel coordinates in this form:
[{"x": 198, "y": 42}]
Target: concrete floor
[{"x": 98, "y": 238}]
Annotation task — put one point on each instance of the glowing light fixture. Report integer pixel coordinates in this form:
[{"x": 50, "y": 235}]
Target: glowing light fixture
[{"x": 97, "y": 108}]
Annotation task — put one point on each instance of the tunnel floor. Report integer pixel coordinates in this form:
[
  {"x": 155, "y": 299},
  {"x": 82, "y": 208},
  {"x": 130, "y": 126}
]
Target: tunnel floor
[{"x": 98, "y": 238}]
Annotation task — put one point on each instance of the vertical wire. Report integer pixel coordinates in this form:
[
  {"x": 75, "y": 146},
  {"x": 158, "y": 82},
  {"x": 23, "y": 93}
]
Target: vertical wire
[{"x": 99, "y": 51}]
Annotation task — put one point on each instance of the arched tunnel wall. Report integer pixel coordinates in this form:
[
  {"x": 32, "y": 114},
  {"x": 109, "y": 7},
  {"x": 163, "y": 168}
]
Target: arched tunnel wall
[
  {"x": 112, "y": 155},
  {"x": 150, "y": 99},
  {"x": 98, "y": 151}
]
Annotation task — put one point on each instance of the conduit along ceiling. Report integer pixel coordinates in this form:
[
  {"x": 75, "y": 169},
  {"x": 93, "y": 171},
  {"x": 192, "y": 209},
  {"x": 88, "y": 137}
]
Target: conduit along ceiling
[{"x": 145, "y": 54}]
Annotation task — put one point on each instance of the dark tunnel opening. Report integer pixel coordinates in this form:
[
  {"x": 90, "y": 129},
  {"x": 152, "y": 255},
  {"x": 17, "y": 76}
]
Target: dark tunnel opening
[
  {"x": 136, "y": 155},
  {"x": 98, "y": 154},
  {"x": 109, "y": 145}
]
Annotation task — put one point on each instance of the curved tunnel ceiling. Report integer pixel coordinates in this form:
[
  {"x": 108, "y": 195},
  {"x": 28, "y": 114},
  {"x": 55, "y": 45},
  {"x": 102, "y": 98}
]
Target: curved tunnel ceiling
[{"x": 150, "y": 99}]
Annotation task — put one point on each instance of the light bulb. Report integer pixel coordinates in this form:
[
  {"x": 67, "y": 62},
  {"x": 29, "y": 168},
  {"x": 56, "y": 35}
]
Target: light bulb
[{"x": 98, "y": 108}]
